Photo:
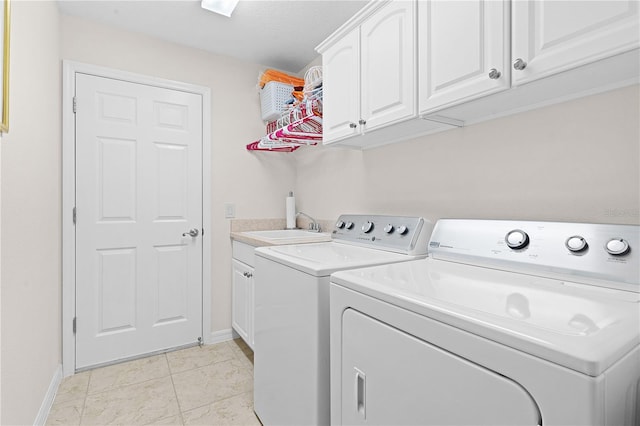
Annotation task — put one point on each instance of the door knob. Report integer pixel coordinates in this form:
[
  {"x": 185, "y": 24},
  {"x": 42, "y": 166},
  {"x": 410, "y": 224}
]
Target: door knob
[{"x": 192, "y": 233}]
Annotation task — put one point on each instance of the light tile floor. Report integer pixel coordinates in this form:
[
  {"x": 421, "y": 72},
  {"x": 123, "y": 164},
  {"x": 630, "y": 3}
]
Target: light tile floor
[{"x": 208, "y": 385}]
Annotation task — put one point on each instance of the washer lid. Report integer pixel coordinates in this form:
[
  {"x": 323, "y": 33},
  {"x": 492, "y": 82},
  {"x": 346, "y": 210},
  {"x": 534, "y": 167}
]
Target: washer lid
[
  {"x": 322, "y": 259},
  {"x": 581, "y": 327}
]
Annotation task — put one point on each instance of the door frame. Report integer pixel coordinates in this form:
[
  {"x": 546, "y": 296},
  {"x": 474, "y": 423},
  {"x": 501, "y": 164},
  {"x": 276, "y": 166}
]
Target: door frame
[{"x": 69, "y": 71}]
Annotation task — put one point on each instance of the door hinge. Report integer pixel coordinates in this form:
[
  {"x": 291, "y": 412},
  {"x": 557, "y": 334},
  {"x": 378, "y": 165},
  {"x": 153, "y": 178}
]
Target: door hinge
[
  {"x": 75, "y": 216},
  {"x": 74, "y": 324},
  {"x": 75, "y": 104}
]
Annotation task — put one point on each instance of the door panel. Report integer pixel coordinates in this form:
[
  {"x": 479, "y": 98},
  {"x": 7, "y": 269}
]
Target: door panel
[
  {"x": 341, "y": 98},
  {"x": 554, "y": 36},
  {"x": 117, "y": 285},
  {"x": 117, "y": 179},
  {"x": 390, "y": 377},
  {"x": 459, "y": 43},
  {"x": 138, "y": 189},
  {"x": 241, "y": 309},
  {"x": 171, "y": 181},
  {"x": 388, "y": 40},
  {"x": 171, "y": 284}
]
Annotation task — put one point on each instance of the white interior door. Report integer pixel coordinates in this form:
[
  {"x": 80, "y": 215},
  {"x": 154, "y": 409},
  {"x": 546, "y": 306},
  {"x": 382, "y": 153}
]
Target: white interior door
[{"x": 138, "y": 191}]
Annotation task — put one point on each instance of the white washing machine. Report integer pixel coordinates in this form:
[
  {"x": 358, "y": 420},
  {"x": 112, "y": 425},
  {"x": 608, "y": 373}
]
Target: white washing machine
[
  {"x": 505, "y": 323},
  {"x": 291, "y": 357}
]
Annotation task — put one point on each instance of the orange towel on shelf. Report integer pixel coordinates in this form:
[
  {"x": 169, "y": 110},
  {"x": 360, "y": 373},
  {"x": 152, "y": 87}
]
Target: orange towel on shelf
[{"x": 275, "y": 75}]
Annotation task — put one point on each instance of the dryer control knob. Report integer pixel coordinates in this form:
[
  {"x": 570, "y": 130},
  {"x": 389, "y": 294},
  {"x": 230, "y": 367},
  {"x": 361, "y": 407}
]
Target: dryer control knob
[
  {"x": 517, "y": 239},
  {"x": 388, "y": 229},
  {"x": 402, "y": 229},
  {"x": 349, "y": 225},
  {"x": 576, "y": 244},
  {"x": 617, "y": 247},
  {"x": 340, "y": 224},
  {"x": 367, "y": 227}
]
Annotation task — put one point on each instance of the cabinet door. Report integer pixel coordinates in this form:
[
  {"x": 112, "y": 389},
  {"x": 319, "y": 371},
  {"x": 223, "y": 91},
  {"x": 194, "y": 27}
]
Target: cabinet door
[
  {"x": 391, "y": 378},
  {"x": 250, "y": 306},
  {"x": 341, "y": 89},
  {"x": 463, "y": 50},
  {"x": 388, "y": 62},
  {"x": 242, "y": 301},
  {"x": 554, "y": 36}
]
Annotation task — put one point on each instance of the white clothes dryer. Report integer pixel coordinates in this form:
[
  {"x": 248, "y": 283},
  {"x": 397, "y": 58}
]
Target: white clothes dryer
[
  {"x": 505, "y": 323},
  {"x": 291, "y": 357}
]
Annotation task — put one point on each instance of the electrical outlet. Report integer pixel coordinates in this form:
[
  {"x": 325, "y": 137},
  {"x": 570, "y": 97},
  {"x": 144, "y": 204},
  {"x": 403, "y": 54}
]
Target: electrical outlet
[{"x": 229, "y": 210}]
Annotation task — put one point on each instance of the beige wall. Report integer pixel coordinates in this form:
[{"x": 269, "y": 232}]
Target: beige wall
[
  {"x": 256, "y": 182},
  {"x": 31, "y": 237},
  {"x": 577, "y": 161}
]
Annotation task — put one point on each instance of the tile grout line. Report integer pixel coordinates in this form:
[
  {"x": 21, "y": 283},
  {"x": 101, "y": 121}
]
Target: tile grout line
[
  {"x": 86, "y": 395},
  {"x": 175, "y": 392},
  {"x": 125, "y": 385},
  {"x": 219, "y": 400},
  {"x": 236, "y": 351},
  {"x": 235, "y": 356}
]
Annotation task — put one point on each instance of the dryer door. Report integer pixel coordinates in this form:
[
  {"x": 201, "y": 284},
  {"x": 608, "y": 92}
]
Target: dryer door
[{"x": 390, "y": 377}]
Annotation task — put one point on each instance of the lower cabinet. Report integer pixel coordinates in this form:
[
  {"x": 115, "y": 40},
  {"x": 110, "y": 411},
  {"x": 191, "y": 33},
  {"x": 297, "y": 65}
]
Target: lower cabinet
[{"x": 242, "y": 285}]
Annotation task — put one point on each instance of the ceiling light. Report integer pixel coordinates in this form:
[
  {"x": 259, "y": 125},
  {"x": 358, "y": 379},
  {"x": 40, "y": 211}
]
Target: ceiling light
[{"x": 223, "y": 7}]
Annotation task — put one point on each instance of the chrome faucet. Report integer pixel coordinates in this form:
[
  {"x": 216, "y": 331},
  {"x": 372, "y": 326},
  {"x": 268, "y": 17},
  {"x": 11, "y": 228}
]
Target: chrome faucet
[{"x": 314, "y": 226}]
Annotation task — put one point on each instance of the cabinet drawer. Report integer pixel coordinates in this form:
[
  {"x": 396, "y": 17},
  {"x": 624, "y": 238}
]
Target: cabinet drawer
[{"x": 244, "y": 253}]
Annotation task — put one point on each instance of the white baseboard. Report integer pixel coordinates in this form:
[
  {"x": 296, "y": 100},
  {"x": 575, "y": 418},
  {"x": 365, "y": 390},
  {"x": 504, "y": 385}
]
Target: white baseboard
[
  {"x": 47, "y": 402},
  {"x": 220, "y": 336}
]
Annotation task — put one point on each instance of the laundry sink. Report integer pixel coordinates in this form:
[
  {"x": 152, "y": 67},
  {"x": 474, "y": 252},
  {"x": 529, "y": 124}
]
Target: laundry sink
[{"x": 290, "y": 235}]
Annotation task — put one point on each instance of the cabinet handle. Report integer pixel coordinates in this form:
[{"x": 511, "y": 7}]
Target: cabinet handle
[
  {"x": 247, "y": 274},
  {"x": 519, "y": 64},
  {"x": 353, "y": 125},
  {"x": 494, "y": 74},
  {"x": 362, "y": 122}
]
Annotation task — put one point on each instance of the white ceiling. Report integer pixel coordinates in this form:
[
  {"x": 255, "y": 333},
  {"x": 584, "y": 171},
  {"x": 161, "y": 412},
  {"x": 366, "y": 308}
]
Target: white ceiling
[{"x": 277, "y": 33}]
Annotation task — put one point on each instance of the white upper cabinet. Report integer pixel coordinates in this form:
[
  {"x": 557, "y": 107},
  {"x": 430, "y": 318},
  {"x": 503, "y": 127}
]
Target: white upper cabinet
[
  {"x": 341, "y": 88},
  {"x": 400, "y": 69},
  {"x": 554, "y": 36},
  {"x": 388, "y": 65},
  {"x": 370, "y": 76},
  {"x": 463, "y": 51}
]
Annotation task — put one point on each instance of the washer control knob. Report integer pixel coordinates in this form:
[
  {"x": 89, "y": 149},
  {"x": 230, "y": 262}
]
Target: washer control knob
[
  {"x": 367, "y": 227},
  {"x": 402, "y": 229},
  {"x": 389, "y": 229},
  {"x": 576, "y": 244},
  {"x": 349, "y": 225},
  {"x": 517, "y": 239},
  {"x": 617, "y": 247},
  {"x": 340, "y": 224}
]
